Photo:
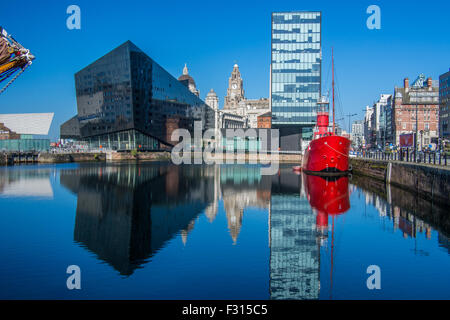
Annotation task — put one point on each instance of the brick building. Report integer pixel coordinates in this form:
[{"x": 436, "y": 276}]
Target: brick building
[
  {"x": 7, "y": 134},
  {"x": 417, "y": 105},
  {"x": 265, "y": 120}
]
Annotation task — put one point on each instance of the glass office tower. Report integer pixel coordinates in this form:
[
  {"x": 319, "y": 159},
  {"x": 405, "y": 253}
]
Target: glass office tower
[
  {"x": 296, "y": 71},
  {"x": 127, "y": 101}
]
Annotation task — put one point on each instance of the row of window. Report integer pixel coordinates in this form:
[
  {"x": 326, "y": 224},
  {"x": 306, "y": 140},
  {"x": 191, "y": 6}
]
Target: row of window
[
  {"x": 302, "y": 38},
  {"x": 295, "y": 88},
  {"x": 296, "y": 18}
]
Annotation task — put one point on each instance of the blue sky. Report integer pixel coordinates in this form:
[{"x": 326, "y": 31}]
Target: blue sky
[{"x": 213, "y": 35}]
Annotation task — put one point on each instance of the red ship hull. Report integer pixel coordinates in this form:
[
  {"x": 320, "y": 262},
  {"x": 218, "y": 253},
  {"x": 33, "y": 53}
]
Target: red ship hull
[{"x": 327, "y": 154}]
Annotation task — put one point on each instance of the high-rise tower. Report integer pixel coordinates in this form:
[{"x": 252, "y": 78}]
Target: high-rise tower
[{"x": 295, "y": 74}]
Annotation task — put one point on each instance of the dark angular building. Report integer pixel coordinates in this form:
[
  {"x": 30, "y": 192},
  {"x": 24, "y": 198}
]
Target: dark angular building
[
  {"x": 70, "y": 129},
  {"x": 125, "y": 101}
]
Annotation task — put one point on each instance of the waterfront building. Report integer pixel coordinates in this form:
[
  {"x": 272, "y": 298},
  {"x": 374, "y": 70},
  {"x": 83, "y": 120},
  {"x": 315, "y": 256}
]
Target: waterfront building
[
  {"x": 127, "y": 101},
  {"x": 18, "y": 131},
  {"x": 212, "y": 100},
  {"x": 379, "y": 121},
  {"x": 70, "y": 130},
  {"x": 188, "y": 81},
  {"x": 236, "y": 103},
  {"x": 235, "y": 91},
  {"x": 416, "y": 110},
  {"x": 229, "y": 120},
  {"x": 357, "y": 134},
  {"x": 224, "y": 119},
  {"x": 368, "y": 132},
  {"x": 444, "y": 105},
  {"x": 251, "y": 109},
  {"x": 265, "y": 120},
  {"x": 296, "y": 62}
]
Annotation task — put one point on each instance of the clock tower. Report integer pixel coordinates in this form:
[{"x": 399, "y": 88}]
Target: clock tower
[{"x": 235, "y": 92}]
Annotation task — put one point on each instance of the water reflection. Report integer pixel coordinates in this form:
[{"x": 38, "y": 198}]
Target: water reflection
[
  {"x": 294, "y": 253},
  {"x": 126, "y": 214},
  {"x": 26, "y": 183}
]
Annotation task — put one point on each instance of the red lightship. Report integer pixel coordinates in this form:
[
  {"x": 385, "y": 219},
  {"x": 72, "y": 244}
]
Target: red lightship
[{"x": 327, "y": 152}]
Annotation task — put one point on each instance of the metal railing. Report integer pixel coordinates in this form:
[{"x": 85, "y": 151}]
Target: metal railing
[{"x": 430, "y": 157}]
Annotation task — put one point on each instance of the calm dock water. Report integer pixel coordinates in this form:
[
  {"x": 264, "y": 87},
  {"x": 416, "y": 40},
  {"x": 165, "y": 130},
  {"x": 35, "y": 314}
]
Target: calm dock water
[{"x": 158, "y": 231}]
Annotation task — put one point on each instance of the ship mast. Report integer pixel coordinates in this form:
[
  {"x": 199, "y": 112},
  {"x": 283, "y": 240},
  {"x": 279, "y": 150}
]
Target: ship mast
[{"x": 332, "y": 83}]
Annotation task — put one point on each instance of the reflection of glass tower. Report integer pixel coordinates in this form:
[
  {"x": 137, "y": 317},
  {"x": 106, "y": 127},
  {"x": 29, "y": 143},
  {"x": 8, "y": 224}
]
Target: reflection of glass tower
[
  {"x": 294, "y": 253},
  {"x": 296, "y": 71}
]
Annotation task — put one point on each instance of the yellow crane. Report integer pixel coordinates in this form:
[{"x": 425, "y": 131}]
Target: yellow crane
[{"x": 14, "y": 59}]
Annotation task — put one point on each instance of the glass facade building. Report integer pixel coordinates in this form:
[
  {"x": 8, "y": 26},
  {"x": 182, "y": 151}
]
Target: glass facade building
[
  {"x": 127, "y": 101},
  {"x": 25, "y": 145},
  {"x": 296, "y": 64}
]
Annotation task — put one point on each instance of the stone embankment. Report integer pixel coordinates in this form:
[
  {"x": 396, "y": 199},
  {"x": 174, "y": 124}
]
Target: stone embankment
[
  {"x": 139, "y": 156},
  {"x": 70, "y": 157},
  {"x": 427, "y": 181}
]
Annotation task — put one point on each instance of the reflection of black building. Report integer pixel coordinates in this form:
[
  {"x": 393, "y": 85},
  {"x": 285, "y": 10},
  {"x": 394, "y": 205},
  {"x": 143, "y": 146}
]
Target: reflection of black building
[
  {"x": 125, "y": 99},
  {"x": 125, "y": 214}
]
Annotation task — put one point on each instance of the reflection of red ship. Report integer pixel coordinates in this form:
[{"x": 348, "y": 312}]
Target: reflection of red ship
[
  {"x": 329, "y": 196},
  {"x": 327, "y": 152}
]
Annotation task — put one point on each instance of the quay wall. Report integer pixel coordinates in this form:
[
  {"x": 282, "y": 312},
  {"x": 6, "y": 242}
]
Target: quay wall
[
  {"x": 140, "y": 156},
  {"x": 244, "y": 158},
  {"x": 70, "y": 157},
  {"x": 156, "y": 156},
  {"x": 429, "y": 181}
]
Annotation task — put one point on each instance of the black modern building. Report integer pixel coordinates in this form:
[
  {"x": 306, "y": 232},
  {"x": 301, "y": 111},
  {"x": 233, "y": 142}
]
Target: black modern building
[
  {"x": 70, "y": 129},
  {"x": 127, "y": 101}
]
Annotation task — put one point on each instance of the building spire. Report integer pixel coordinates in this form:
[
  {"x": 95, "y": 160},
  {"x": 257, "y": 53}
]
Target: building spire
[{"x": 185, "y": 69}]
